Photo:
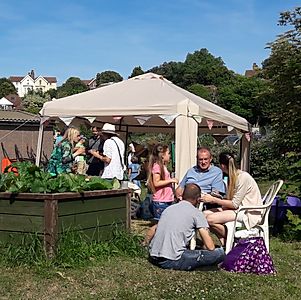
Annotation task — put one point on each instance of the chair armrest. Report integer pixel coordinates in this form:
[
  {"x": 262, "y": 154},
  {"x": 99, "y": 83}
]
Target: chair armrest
[{"x": 253, "y": 207}]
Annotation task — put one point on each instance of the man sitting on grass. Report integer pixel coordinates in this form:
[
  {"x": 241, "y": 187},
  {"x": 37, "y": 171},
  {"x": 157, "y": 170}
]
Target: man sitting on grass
[{"x": 169, "y": 247}]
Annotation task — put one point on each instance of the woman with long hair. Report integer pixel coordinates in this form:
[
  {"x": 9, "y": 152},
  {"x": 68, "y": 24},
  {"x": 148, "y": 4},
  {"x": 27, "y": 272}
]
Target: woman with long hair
[
  {"x": 242, "y": 191},
  {"x": 160, "y": 184},
  {"x": 62, "y": 156}
]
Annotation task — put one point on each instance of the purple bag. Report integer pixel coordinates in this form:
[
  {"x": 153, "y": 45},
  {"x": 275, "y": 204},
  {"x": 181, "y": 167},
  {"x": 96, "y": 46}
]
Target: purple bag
[{"x": 249, "y": 256}]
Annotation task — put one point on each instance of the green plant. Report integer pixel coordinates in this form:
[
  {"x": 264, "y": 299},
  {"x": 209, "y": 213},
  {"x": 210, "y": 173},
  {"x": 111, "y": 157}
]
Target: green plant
[
  {"x": 74, "y": 249},
  {"x": 292, "y": 185},
  {"x": 32, "y": 179},
  {"x": 28, "y": 252},
  {"x": 293, "y": 228}
]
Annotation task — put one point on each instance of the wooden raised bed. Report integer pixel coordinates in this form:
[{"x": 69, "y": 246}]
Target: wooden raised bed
[{"x": 48, "y": 215}]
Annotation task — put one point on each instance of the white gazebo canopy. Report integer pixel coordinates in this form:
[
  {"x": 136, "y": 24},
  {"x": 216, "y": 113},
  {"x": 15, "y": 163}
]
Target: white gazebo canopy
[
  {"x": 151, "y": 103},
  {"x": 4, "y": 103}
]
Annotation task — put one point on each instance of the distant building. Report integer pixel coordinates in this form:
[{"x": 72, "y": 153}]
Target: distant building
[
  {"x": 30, "y": 82},
  {"x": 15, "y": 99},
  {"x": 255, "y": 70},
  {"x": 90, "y": 83}
]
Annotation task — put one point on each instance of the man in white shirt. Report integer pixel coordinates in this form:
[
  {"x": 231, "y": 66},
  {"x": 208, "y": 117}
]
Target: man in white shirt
[{"x": 113, "y": 153}]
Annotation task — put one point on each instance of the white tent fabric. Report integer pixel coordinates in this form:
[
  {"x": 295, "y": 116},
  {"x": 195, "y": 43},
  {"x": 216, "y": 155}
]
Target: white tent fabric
[{"x": 150, "y": 98}]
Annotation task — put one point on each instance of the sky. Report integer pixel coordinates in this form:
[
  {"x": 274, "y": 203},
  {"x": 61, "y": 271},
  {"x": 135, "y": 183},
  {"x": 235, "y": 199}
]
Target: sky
[{"x": 84, "y": 37}]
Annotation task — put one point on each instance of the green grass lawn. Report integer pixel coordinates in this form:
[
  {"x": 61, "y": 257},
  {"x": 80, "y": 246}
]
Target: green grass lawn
[{"x": 135, "y": 278}]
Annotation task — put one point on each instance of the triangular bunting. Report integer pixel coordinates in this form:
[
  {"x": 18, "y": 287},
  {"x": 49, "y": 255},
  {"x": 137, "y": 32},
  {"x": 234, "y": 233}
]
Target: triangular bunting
[
  {"x": 210, "y": 124},
  {"x": 67, "y": 120},
  {"x": 248, "y": 136},
  {"x": 168, "y": 118},
  {"x": 197, "y": 118},
  {"x": 239, "y": 134},
  {"x": 117, "y": 118},
  {"x": 44, "y": 119},
  {"x": 90, "y": 119},
  {"x": 230, "y": 128},
  {"x": 142, "y": 119}
]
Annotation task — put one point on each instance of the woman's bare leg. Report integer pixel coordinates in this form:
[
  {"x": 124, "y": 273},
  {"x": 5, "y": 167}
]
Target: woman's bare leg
[{"x": 216, "y": 221}]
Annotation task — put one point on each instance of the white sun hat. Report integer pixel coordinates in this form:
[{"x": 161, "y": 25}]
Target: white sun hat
[{"x": 109, "y": 128}]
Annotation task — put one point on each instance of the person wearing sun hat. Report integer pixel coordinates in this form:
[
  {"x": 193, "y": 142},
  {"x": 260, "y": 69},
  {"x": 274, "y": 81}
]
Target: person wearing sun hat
[{"x": 113, "y": 153}]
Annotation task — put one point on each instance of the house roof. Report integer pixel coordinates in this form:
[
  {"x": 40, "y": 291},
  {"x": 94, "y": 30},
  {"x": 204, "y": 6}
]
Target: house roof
[
  {"x": 50, "y": 79},
  {"x": 19, "y": 78},
  {"x": 15, "y": 78},
  {"x": 88, "y": 81},
  {"x": 251, "y": 73},
  {"x": 18, "y": 116}
]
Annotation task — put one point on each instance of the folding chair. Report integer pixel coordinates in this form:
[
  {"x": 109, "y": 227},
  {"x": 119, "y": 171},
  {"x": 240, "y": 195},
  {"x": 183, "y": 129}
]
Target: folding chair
[{"x": 263, "y": 225}]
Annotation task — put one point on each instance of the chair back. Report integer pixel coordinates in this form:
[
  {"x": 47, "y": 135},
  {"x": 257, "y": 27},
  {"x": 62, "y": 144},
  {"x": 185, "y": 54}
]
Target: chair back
[{"x": 269, "y": 197}]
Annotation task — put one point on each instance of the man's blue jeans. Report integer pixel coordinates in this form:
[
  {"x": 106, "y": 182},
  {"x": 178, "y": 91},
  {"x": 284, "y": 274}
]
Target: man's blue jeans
[{"x": 191, "y": 259}]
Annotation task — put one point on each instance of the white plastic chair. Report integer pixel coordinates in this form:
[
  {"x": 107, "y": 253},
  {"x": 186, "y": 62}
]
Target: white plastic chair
[
  {"x": 193, "y": 240},
  {"x": 262, "y": 226}
]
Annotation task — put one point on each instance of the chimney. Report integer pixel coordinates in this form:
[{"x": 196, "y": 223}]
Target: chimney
[
  {"x": 32, "y": 74},
  {"x": 255, "y": 67}
]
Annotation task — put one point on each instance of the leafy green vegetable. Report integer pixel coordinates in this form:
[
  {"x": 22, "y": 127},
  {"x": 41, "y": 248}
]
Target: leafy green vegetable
[{"x": 32, "y": 179}]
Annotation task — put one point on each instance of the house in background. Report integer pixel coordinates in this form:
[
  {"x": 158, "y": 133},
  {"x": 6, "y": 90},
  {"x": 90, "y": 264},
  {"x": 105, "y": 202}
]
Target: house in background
[
  {"x": 15, "y": 100},
  {"x": 251, "y": 73},
  {"x": 90, "y": 83},
  {"x": 30, "y": 82}
]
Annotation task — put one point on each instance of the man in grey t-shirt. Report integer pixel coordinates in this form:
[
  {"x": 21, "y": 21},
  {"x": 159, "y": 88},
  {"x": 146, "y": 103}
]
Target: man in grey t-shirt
[{"x": 177, "y": 225}]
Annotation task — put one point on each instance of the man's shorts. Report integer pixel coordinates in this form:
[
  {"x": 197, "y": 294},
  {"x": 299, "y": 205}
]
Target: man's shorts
[{"x": 159, "y": 207}]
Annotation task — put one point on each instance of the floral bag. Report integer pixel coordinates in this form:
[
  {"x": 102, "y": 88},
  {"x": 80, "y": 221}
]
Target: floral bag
[{"x": 249, "y": 256}]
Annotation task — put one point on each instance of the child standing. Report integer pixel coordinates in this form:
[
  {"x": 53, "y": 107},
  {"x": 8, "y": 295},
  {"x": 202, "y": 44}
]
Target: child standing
[
  {"x": 160, "y": 184},
  {"x": 134, "y": 170},
  {"x": 80, "y": 160}
]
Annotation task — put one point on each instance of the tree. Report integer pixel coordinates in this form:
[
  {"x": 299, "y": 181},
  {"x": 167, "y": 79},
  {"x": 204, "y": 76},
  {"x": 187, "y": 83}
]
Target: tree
[
  {"x": 172, "y": 71},
  {"x": 202, "y": 67},
  {"x": 6, "y": 88},
  {"x": 52, "y": 93},
  {"x": 205, "y": 92},
  {"x": 33, "y": 101},
  {"x": 240, "y": 96},
  {"x": 283, "y": 71},
  {"x": 107, "y": 77},
  {"x": 136, "y": 71},
  {"x": 72, "y": 86}
]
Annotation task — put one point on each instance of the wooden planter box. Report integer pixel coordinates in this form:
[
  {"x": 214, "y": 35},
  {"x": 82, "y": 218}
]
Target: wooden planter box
[{"x": 48, "y": 215}]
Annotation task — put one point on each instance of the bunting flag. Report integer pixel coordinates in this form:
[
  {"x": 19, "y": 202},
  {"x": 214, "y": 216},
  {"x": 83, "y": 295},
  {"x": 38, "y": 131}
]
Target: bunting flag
[
  {"x": 239, "y": 134},
  {"x": 197, "y": 118},
  {"x": 67, "y": 120},
  {"x": 90, "y": 119},
  {"x": 168, "y": 118},
  {"x": 248, "y": 136},
  {"x": 210, "y": 124},
  {"x": 117, "y": 118},
  {"x": 44, "y": 120},
  {"x": 142, "y": 119},
  {"x": 230, "y": 128}
]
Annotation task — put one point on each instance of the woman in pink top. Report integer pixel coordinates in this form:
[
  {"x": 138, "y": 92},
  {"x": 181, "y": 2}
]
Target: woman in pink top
[{"x": 160, "y": 184}]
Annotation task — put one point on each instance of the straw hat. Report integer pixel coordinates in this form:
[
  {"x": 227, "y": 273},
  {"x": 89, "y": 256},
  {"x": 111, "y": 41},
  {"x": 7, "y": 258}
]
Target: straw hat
[{"x": 109, "y": 128}]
